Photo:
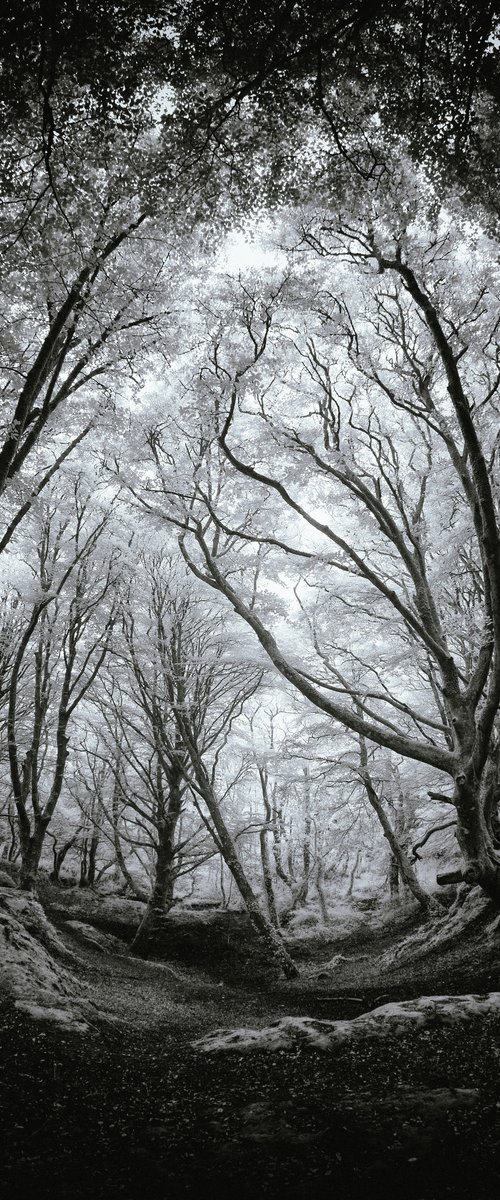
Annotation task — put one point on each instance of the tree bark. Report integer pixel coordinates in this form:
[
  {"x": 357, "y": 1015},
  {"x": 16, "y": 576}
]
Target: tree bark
[
  {"x": 393, "y": 877},
  {"x": 263, "y": 927},
  {"x": 268, "y": 877},
  {"x": 265, "y": 854},
  {"x": 405, "y": 868},
  {"x": 352, "y": 873},
  {"x": 278, "y": 827},
  {"x": 120, "y": 859},
  {"x": 481, "y": 857},
  {"x": 162, "y": 895},
  {"x": 58, "y": 855},
  {"x": 91, "y": 869},
  {"x": 399, "y": 856},
  {"x": 31, "y": 850},
  {"x": 319, "y": 876}
]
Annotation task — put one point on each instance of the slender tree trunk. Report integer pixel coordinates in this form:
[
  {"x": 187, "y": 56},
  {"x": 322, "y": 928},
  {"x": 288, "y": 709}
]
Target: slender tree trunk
[
  {"x": 226, "y": 896},
  {"x": 399, "y": 828},
  {"x": 300, "y": 887},
  {"x": 405, "y": 868},
  {"x": 115, "y": 809},
  {"x": 13, "y": 847},
  {"x": 393, "y": 877},
  {"x": 267, "y": 876},
  {"x": 300, "y": 894},
  {"x": 352, "y": 874},
  {"x": 265, "y": 855},
  {"x": 162, "y": 895},
  {"x": 93, "y": 847},
  {"x": 84, "y": 854},
  {"x": 263, "y": 927},
  {"x": 289, "y": 856},
  {"x": 306, "y": 845},
  {"x": 59, "y": 855},
  {"x": 319, "y": 878},
  {"x": 278, "y": 829},
  {"x": 31, "y": 850},
  {"x": 260, "y": 922},
  {"x": 88, "y": 860}
]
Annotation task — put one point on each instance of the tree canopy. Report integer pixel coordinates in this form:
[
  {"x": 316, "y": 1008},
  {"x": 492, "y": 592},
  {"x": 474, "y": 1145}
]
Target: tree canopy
[{"x": 249, "y": 338}]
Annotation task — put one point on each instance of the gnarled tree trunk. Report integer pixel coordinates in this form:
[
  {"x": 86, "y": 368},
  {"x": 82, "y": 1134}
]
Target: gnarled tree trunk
[{"x": 474, "y": 835}]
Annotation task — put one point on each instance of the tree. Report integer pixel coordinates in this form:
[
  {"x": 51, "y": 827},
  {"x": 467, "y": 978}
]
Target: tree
[
  {"x": 373, "y": 406},
  {"x": 158, "y": 658},
  {"x": 61, "y": 648},
  {"x": 334, "y": 92},
  {"x": 115, "y": 124},
  {"x": 398, "y": 852},
  {"x": 204, "y": 781},
  {"x": 174, "y": 696},
  {"x": 85, "y": 174}
]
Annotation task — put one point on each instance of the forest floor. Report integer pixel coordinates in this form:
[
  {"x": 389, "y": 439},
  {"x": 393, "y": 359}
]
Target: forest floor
[{"x": 133, "y": 1107}]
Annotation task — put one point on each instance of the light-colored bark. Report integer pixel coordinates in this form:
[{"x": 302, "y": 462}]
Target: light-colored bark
[{"x": 262, "y": 925}]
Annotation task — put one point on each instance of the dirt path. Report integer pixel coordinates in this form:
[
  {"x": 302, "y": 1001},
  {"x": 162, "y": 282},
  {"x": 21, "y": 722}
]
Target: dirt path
[
  {"x": 133, "y": 1109},
  {"x": 132, "y": 1113}
]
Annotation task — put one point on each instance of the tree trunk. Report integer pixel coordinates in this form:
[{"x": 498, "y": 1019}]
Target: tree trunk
[
  {"x": 265, "y": 855},
  {"x": 88, "y": 860},
  {"x": 225, "y": 896},
  {"x": 58, "y": 855},
  {"x": 405, "y": 868},
  {"x": 158, "y": 906},
  {"x": 491, "y": 796},
  {"x": 94, "y": 843},
  {"x": 159, "y": 903},
  {"x": 115, "y": 809},
  {"x": 393, "y": 877},
  {"x": 31, "y": 850},
  {"x": 481, "y": 858},
  {"x": 306, "y": 844},
  {"x": 268, "y": 935},
  {"x": 278, "y": 829},
  {"x": 162, "y": 895},
  {"x": 260, "y": 922},
  {"x": 352, "y": 873},
  {"x": 84, "y": 854},
  {"x": 319, "y": 877},
  {"x": 300, "y": 887},
  {"x": 300, "y": 893},
  {"x": 268, "y": 877},
  {"x": 13, "y": 847}
]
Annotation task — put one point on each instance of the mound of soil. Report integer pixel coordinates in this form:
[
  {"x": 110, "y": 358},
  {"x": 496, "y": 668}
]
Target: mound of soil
[{"x": 215, "y": 940}]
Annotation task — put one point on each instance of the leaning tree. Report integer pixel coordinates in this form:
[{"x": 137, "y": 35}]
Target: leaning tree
[{"x": 357, "y": 403}]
